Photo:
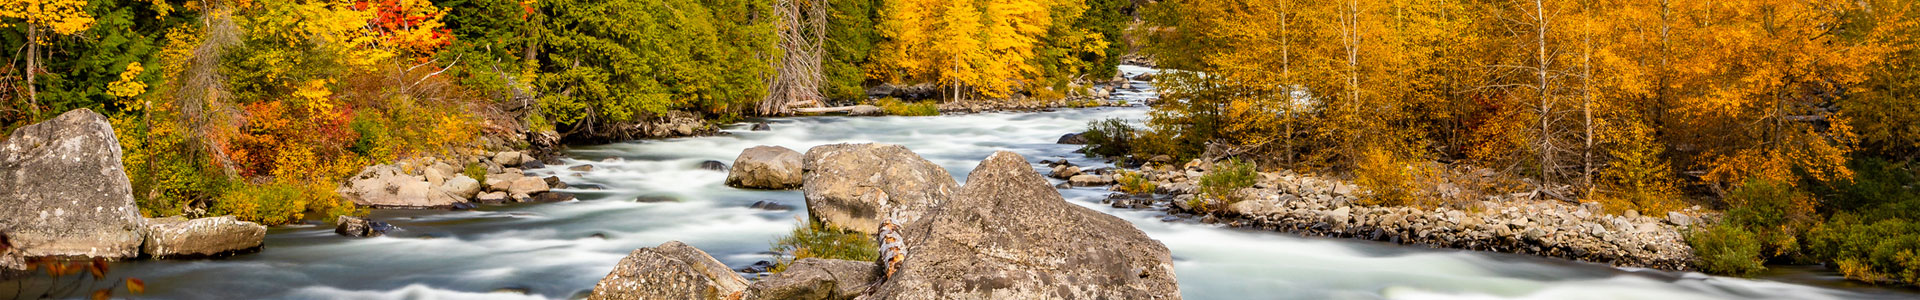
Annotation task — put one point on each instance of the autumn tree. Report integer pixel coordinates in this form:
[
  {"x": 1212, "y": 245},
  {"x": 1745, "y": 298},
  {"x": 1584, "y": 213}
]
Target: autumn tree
[
  {"x": 988, "y": 47},
  {"x": 62, "y": 17}
]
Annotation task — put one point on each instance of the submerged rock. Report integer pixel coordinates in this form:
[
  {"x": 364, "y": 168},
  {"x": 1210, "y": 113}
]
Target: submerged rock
[
  {"x": 766, "y": 167},
  {"x": 1007, "y": 235},
  {"x": 214, "y": 236},
  {"x": 762, "y": 126},
  {"x": 64, "y": 192},
  {"x": 852, "y": 186},
  {"x": 815, "y": 279},
  {"x": 1072, "y": 139},
  {"x": 713, "y": 165},
  {"x": 670, "y": 271}
]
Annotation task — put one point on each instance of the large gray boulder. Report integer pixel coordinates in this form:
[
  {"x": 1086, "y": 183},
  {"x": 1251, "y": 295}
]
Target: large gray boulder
[
  {"x": 766, "y": 167},
  {"x": 816, "y": 279},
  {"x": 854, "y": 186},
  {"x": 179, "y": 237},
  {"x": 670, "y": 271},
  {"x": 63, "y": 191},
  {"x": 387, "y": 187},
  {"x": 1008, "y": 235}
]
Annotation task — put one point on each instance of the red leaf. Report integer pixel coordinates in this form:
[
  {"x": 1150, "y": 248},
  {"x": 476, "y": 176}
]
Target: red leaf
[{"x": 136, "y": 286}]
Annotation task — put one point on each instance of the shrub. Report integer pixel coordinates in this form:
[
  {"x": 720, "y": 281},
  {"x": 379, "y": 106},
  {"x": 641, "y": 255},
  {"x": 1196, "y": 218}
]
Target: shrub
[
  {"x": 1134, "y": 183},
  {"x": 1387, "y": 178},
  {"x": 1777, "y": 214},
  {"x": 897, "y": 107},
  {"x": 1876, "y": 251},
  {"x": 817, "y": 240},
  {"x": 1109, "y": 138},
  {"x": 1225, "y": 179},
  {"x": 282, "y": 203},
  {"x": 1726, "y": 249},
  {"x": 475, "y": 171}
]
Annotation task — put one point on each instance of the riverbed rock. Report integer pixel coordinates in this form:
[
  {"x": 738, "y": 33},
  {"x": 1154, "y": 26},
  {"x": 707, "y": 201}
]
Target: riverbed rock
[
  {"x": 64, "y": 192},
  {"x": 214, "y": 236},
  {"x": 670, "y": 271},
  {"x": 853, "y": 186},
  {"x": 866, "y": 110},
  {"x": 1089, "y": 180},
  {"x": 1008, "y": 235},
  {"x": 352, "y": 226},
  {"x": 815, "y": 279},
  {"x": 493, "y": 197},
  {"x": 1064, "y": 171},
  {"x": 507, "y": 158},
  {"x": 766, "y": 167},
  {"x": 762, "y": 126},
  {"x": 713, "y": 165}
]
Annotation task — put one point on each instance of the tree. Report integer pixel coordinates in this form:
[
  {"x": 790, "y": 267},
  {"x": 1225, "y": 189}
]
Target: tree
[{"x": 63, "y": 17}]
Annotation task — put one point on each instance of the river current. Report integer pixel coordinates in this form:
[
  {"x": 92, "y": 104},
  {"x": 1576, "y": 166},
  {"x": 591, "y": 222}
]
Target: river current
[{"x": 560, "y": 250}]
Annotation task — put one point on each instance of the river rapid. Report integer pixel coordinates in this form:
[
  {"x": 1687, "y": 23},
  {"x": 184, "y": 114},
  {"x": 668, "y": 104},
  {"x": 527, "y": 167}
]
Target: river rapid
[{"x": 560, "y": 250}]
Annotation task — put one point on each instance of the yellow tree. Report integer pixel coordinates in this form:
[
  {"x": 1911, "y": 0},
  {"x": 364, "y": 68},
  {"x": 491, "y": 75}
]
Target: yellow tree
[
  {"x": 62, "y": 17},
  {"x": 981, "y": 46}
]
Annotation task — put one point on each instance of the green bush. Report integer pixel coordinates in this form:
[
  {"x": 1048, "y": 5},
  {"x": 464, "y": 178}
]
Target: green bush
[
  {"x": 1134, "y": 183},
  {"x": 475, "y": 171},
  {"x": 1726, "y": 249},
  {"x": 1776, "y": 213},
  {"x": 1873, "y": 251},
  {"x": 1226, "y": 178},
  {"x": 816, "y": 240},
  {"x": 1109, "y": 138}
]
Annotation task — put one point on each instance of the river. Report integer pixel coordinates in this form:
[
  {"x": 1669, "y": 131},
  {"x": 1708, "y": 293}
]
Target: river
[{"x": 559, "y": 250}]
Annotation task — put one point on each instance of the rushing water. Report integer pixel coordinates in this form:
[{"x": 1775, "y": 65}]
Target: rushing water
[{"x": 559, "y": 250}]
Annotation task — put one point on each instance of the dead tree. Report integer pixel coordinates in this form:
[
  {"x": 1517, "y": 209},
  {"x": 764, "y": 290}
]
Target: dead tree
[{"x": 797, "y": 70}]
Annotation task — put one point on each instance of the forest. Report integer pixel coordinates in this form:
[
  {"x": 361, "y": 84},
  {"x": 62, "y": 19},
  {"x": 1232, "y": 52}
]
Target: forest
[{"x": 1796, "y": 119}]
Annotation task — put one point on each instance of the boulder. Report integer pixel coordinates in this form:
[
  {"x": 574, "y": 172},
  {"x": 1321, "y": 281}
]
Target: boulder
[
  {"x": 527, "y": 185},
  {"x": 766, "y": 167},
  {"x": 461, "y": 186},
  {"x": 853, "y": 186},
  {"x": 214, "y": 236},
  {"x": 386, "y": 186},
  {"x": 508, "y": 158},
  {"x": 64, "y": 192},
  {"x": 670, "y": 271},
  {"x": 580, "y": 168},
  {"x": 1007, "y": 235},
  {"x": 1072, "y": 139},
  {"x": 815, "y": 279},
  {"x": 762, "y": 126},
  {"x": 1064, "y": 171},
  {"x": 360, "y": 227},
  {"x": 553, "y": 197}
]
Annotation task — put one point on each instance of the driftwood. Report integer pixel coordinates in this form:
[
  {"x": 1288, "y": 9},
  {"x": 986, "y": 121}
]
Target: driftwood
[{"x": 857, "y": 110}]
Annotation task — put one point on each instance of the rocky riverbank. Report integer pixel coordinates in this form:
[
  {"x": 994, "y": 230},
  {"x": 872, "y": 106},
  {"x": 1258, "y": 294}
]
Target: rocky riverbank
[{"x": 1513, "y": 223}]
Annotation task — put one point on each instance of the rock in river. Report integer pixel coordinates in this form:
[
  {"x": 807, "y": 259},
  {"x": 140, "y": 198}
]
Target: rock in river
[
  {"x": 1008, "y": 235},
  {"x": 64, "y": 192},
  {"x": 766, "y": 167},
  {"x": 360, "y": 227},
  {"x": 815, "y": 279},
  {"x": 214, "y": 236},
  {"x": 853, "y": 186},
  {"x": 670, "y": 271}
]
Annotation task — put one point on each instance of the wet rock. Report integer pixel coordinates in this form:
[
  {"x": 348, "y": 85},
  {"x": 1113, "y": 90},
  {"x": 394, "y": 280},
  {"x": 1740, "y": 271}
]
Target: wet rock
[
  {"x": 815, "y": 279},
  {"x": 360, "y": 227},
  {"x": 766, "y": 167},
  {"x": 580, "y": 168},
  {"x": 530, "y": 163},
  {"x": 1064, "y": 171},
  {"x": 215, "y": 236},
  {"x": 550, "y": 197},
  {"x": 1007, "y": 235},
  {"x": 770, "y": 205},
  {"x": 670, "y": 271},
  {"x": 461, "y": 186},
  {"x": 762, "y": 126},
  {"x": 713, "y": 165},
  {"x": 757, "y": 267},
  {"x": 852, "y": 186},
  {"x": 1072, "y": 139},
  {"x": 64, "y": 192}
]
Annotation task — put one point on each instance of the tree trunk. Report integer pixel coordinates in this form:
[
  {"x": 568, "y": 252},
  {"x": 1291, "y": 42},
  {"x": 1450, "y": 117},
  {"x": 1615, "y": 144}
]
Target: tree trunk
[{"x": 33, "y": 61}]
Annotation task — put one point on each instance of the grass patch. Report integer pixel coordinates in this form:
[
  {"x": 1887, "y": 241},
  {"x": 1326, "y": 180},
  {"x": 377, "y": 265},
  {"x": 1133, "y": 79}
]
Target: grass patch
[
  {"x": 897, "y": 107},
  {"x": 816, "y": 240}
]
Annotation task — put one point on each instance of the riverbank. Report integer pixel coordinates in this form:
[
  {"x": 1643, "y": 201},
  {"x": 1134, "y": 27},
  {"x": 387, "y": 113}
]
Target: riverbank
[{"x": 1511, "y": 223}]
